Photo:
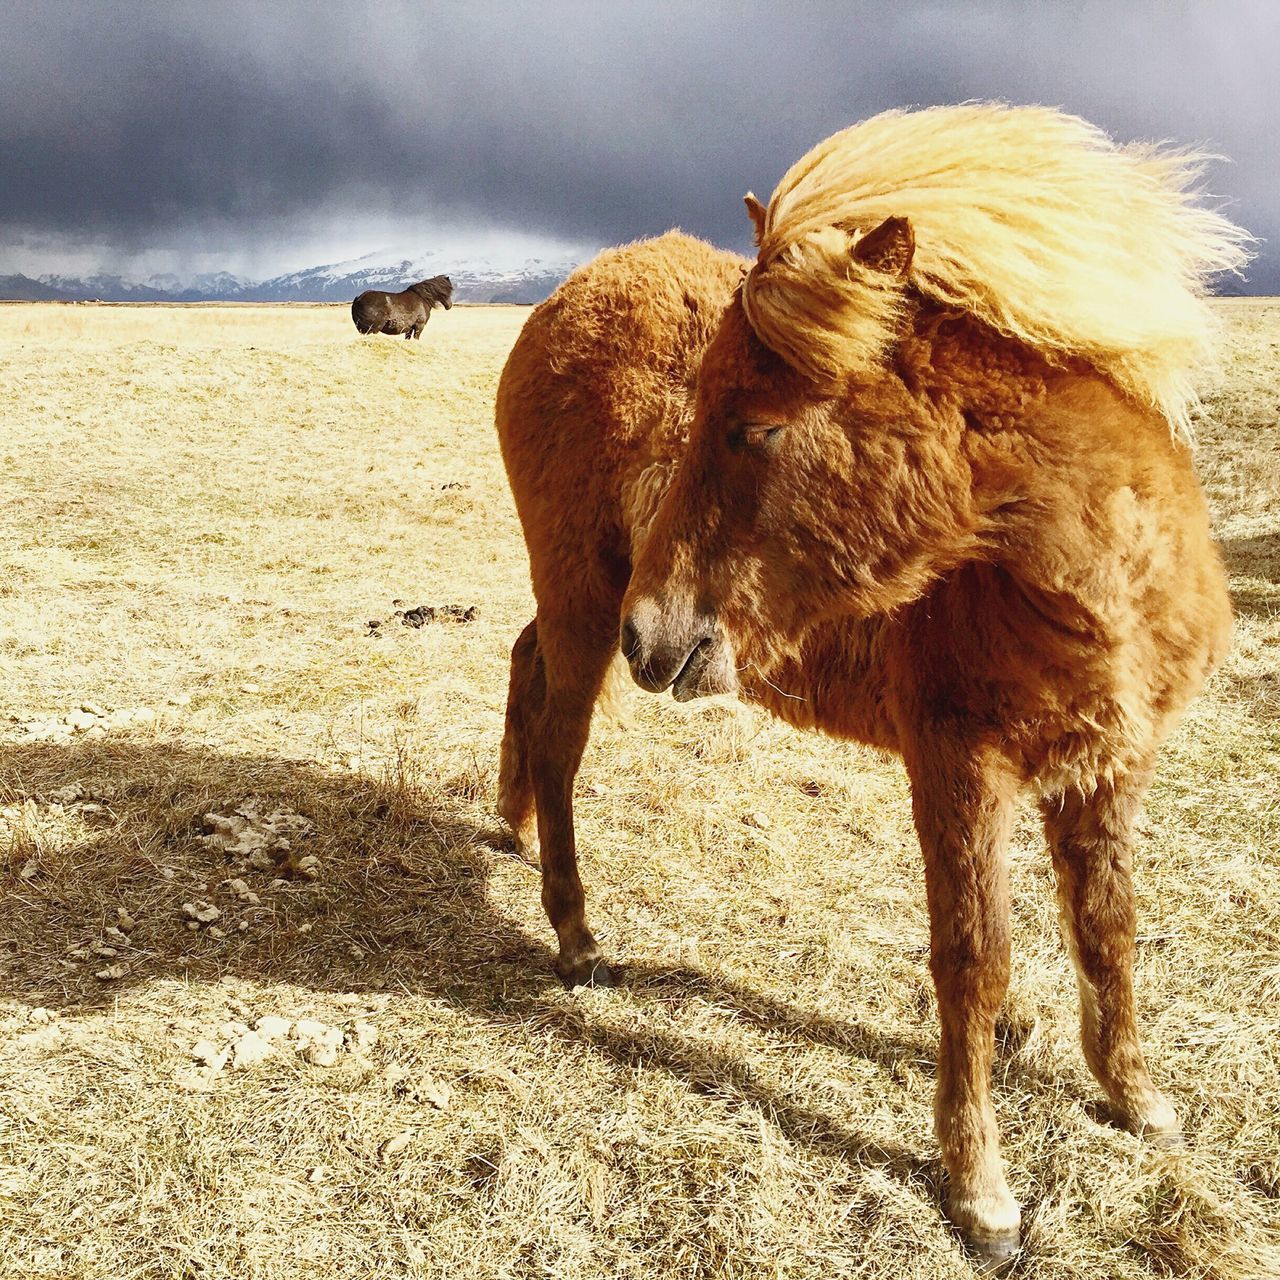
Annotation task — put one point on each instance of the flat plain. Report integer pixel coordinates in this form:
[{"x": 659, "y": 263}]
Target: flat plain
[{"x": 276, "y": 996}]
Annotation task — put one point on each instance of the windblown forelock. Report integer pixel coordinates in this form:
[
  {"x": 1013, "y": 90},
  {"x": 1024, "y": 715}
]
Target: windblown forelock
[
  {"x": 1031, "y": 220},
  {"x": 825, "y": 315}
]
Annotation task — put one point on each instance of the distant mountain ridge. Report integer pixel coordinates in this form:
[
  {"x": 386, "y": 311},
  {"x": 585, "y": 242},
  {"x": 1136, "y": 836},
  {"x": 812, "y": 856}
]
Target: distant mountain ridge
[{"x": 474, "y": 280}]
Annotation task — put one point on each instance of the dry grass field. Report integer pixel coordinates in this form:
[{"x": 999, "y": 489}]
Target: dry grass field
[{"x": 201, "y": 511}]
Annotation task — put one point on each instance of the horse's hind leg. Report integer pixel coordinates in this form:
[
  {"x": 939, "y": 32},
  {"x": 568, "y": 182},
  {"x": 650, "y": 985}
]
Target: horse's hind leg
[
  {"x": 574, "y": 650},
  {"x": 1090, "y": 837},
  {"x": 525, "y": 695}
]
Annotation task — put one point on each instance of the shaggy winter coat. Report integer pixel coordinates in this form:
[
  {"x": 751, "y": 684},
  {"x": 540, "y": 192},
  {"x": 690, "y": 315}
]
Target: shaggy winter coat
[{"x": 915, "y": 477}]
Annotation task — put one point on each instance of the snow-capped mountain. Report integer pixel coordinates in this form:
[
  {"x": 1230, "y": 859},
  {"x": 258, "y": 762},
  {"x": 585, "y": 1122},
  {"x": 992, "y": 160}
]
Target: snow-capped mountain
[
  {"x": 110, "y": 288},
  {"x": 204, "y": 287},
  {"x": 475, "y": 279}
]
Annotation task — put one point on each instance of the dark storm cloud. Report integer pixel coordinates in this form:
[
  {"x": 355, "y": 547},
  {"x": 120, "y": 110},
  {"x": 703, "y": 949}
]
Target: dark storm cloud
[{"x": 134, "y": 126}]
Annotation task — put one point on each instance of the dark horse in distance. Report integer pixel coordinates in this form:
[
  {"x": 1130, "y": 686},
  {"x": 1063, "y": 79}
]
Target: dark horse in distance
[{"x": 408, "y": 312}]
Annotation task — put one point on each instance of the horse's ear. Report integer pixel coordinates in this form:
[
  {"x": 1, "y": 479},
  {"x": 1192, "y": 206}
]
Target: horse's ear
[
  {"x": 889, "y": 248},
  {"x": 756, "y": 211}
]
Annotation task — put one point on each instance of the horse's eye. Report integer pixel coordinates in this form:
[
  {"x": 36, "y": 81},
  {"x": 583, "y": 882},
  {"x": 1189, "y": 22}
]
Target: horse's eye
[{"x": 761, "y": 435}]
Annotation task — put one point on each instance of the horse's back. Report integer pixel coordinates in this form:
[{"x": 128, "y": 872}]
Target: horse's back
[{"x": 599, "y": 387}]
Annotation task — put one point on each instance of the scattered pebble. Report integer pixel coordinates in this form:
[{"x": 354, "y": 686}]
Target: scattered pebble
[
  {"x": 40, "y": 816},
  {"x": 250, "y": 1049},
  {"x": 361, "y": 1036},
  {"x": 761, "y": 821},
  {"x": 434, "y": 1091},
  {"x": 89, "y": 720},
  {"x": 403, "y": 1083},
  {"x": 261, "y": 841},
  {"x": 201, "y": 912},
  {"x": 311, "y": 1033},
  {"x": 250, "y": 687},
  {"x": 41, "y": 1037},
  {"x": 209, "y": 1054},
  {"x": 194, "y": 1081},
  {"x": 243, "y": 892},
  {"x": 124, "y": 921},
  {"x": 316, "y": 1042},
  {"x": 317, "y": 1174},
  {"x": 363, "y": 1000},
  {"x": 272, "y": 1027},
  {"x": 393, "y": 1146},
  {"x": 110, "y": 973},
  {"x": 394, "y": 1074}
]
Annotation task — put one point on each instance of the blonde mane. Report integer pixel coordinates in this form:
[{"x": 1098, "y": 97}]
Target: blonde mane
[{"x": 1032, "y": 220}]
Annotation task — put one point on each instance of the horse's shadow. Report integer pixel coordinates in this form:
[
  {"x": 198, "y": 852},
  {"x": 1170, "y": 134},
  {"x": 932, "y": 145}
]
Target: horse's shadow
[
  {"x": 1256, "y": 558},
  {"x": 402, "y": 904}
]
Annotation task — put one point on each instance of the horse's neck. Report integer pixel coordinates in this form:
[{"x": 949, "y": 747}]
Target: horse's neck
[{"x": 834, "y": 683}]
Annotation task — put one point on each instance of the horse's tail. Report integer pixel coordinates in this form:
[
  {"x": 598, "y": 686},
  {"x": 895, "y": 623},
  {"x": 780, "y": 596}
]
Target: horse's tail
[{"x": 364, "y": 312}]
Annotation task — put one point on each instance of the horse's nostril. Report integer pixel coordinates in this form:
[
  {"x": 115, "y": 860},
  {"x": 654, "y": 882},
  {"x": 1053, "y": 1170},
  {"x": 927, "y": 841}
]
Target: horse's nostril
[{"x": 629, "y": 640}]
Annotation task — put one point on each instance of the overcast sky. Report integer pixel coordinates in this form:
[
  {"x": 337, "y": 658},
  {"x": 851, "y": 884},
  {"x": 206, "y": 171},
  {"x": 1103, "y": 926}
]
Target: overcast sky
[{"x": 272, "y": 136}]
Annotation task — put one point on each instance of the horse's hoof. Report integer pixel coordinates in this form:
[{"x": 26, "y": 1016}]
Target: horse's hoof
[
  {"x": 526, "y": 847},
  {"x": 587, "y": 971},
  {"x": 991, "y": 1229},
  {"x": 1156, "y": 1123},
  {"x": 1165, "y": 1139},
  {"x": 994, "y": 1255}
]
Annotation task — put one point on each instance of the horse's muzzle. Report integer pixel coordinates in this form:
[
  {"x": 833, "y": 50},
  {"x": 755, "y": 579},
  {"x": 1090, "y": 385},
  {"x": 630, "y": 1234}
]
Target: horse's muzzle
[{"x": 677, "y": 647}]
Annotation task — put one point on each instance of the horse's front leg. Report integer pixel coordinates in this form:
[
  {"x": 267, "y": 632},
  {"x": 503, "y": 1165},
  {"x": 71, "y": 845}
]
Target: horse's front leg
[
  {"x": 575, "y": 644},
  {"x": 963, "y": 803}
]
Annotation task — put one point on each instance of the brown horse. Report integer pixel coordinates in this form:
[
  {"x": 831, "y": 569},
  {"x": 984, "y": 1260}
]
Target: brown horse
[
  {"x": 929, "y": 494},
  {"x": 407, "y": 312}
]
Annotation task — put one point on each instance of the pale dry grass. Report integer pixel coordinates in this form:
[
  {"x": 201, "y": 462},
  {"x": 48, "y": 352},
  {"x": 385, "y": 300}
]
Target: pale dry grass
[{"x": 196, "y": 504}]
